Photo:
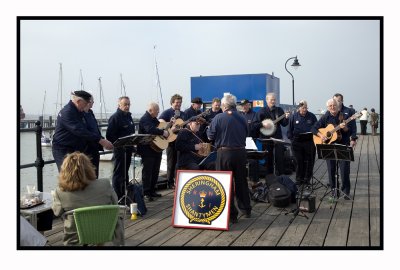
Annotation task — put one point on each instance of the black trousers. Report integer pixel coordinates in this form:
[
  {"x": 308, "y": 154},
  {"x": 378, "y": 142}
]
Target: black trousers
[
  {"x": 59, "y": 155},
  {"x": 274, "y": 160},
  {"x": 121, "y": 169},
  {"x": 235, "y": 161},
  {"x": 363, "y": 124},
  {"x": 150, "y": 172},
  {"x": 95, "y": 159},
  {"x": 172, "y": 158},
  {"x": 304, "y": 152}
]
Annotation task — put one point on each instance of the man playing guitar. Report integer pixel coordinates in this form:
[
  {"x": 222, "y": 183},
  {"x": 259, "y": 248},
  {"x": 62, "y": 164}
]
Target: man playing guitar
[
  {"x": 151, "y": 159},
  {"x": 336, "y": 115},
  {"x": 271, "y": 112},
  {"x": 170, "y": 115}
]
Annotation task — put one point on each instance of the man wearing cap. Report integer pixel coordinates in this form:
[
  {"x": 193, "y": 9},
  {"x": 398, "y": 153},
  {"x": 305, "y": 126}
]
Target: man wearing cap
[
  {"x": 195, "y": 108},
  {"x": 120, "y": 124},
  {"x": 248, "y": 114},
  {"x": 229, "y": 130},
  {"x": 299, "y": 133},
  {"x": 188, "y": 143},
  {"x": 71, "y": 133}
]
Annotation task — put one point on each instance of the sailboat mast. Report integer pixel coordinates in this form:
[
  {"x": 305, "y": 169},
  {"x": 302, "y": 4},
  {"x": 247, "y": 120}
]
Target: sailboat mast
[
  {"x": 44, "y": 101},
  {"x": 59, "y": 90},
  {"x": 81, "y": 84},
  {"x": 102, "y": 103},
  {"x": 158, "y": 78},
  {"x": 122, "y": 86}
]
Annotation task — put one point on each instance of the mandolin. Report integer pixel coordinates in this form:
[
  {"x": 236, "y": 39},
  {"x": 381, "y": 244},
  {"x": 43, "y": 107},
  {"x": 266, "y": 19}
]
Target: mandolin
[{"x": 331, "y": 132}]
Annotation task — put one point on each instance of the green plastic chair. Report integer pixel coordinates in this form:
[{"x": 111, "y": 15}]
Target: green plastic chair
[{"x": 95, "y": 224}]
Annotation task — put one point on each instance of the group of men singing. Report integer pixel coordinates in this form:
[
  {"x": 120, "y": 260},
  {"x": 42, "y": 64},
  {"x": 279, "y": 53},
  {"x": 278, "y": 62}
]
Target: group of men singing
[{"x": 222, "y": 128}]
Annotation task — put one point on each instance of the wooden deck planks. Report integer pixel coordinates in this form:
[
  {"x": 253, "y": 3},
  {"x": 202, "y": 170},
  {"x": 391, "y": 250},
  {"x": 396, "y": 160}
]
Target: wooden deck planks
[
  {"x": 343, "y": 223},
  {"x": 359, "y": 226}
]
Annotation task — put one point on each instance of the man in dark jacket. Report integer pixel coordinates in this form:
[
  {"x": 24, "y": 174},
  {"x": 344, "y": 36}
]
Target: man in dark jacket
[
  {"x": 194, "y": 109},
  {"x": 120, "y": 125},
  {"x": 170, "y": 115},
  {"x": 151, "y": 159},
  {"x": 336, "y": 115},
  {"x": 92, "y": 149},
  {"x": 231, "y": 153},
  {"x": 71, "y": 133},
  {"x": 275, "y": 152}
]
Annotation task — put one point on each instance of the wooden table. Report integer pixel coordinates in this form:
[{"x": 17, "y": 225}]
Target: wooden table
[{"x": 31, "y": 213}]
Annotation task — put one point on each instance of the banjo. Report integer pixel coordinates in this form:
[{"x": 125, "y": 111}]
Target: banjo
[{"x": 272, "y": 125}]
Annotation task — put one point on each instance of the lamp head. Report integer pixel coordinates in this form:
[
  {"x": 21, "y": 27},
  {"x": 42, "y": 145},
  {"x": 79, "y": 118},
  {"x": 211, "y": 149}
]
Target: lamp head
[{"x": 296, "y": 64}]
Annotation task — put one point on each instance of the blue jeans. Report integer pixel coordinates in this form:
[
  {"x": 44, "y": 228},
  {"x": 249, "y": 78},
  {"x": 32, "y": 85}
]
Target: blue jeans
[
  {"x": 59, "y": 155},
  {"x": 344, "y": 167}
]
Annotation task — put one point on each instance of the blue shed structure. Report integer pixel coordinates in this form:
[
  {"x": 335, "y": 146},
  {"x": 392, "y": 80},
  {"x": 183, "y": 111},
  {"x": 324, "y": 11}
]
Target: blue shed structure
[{"x": 253, "y": 87}]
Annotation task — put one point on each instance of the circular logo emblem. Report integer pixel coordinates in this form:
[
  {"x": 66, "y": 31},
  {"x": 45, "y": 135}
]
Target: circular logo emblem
[{"x": 202, "y": 199}]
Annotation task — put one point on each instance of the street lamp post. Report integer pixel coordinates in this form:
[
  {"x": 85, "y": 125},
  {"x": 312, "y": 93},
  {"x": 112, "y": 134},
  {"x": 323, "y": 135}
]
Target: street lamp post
[{"x": 295, "y": 65}]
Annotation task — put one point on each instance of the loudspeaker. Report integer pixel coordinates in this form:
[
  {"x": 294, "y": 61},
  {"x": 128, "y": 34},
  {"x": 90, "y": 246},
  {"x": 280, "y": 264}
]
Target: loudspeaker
[{"x": 307, "y": 203}]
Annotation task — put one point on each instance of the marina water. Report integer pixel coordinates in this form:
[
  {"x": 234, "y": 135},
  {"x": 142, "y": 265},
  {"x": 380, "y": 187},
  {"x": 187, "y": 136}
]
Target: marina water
[{"x": 28, "y": 155}]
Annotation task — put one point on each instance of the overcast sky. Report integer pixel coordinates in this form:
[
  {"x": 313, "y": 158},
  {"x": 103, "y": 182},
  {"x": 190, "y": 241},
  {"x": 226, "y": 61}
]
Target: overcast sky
[{"x": 335, "y": 56}]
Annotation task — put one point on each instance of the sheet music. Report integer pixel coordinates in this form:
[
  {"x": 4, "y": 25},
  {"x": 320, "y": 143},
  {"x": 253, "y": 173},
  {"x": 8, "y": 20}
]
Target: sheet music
[
  {"x": 274, "y": 140},
  {"x": 250, "y": 144}
]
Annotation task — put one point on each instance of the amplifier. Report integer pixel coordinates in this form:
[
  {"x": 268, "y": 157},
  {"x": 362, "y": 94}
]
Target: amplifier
[{"x": 307, "y": 203}]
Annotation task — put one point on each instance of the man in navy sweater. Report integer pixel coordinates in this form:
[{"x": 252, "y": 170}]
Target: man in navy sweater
[{"x": 120, "y": 125}]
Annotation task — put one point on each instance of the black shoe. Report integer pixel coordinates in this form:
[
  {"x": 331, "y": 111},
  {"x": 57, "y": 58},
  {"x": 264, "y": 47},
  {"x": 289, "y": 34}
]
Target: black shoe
[
  {"x": 347, "y": 196},
  {"x": 149, "y": 198},
  {"x": 154, "y": 194},
  {"x": 170, "y": 186},
  {"x": 233, "y": 220}
]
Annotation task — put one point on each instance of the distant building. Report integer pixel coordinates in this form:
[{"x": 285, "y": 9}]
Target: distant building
[
  {"x": 21, "y": 117},
  {"x": 21, "y": 113}
]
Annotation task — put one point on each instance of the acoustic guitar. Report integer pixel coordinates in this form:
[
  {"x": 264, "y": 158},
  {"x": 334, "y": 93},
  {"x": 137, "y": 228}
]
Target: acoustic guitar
[
  {"x": 331, "y": 132},
  {"x": 160, "y": 143}
]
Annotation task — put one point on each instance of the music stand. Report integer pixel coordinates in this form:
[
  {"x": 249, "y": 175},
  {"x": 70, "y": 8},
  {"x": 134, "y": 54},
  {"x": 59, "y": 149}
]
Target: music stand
[
  {"x": 130, "y": 141},
  {"x": 252, "y": 159},
  {"x": 274, "y": 142},
  {"x": 335, "y": 152}
]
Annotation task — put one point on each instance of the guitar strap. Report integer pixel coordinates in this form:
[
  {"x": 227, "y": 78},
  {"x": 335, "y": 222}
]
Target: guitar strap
[
  {"x": 194, "y": 134},
  {"x": 272, "y": 113},
  {"x": 276, "y": 114},
  {"x": 341, "y": 117}
]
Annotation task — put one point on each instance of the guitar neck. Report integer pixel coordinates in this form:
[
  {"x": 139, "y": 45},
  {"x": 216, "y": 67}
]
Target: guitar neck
[
  {"x": 279, "y": 118},
  {"x": 196, "y": 117},
  {"x": 345, "y": 121}
]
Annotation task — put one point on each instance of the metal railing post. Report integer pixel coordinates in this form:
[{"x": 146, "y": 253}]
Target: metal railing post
[{"x": 39, "y": 163}]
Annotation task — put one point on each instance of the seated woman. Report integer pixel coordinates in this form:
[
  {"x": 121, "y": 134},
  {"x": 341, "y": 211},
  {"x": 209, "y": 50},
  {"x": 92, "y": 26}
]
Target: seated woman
[
  {"x": 78, "y": 187},
  {"x": 190, "y": 148}
]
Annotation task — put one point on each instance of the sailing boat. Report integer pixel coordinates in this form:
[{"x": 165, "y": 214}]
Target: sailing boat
[{"x": 46, "y": 138}]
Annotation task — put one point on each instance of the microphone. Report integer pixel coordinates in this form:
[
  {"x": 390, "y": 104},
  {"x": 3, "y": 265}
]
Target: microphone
[{"x": 177, "y": 113}]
